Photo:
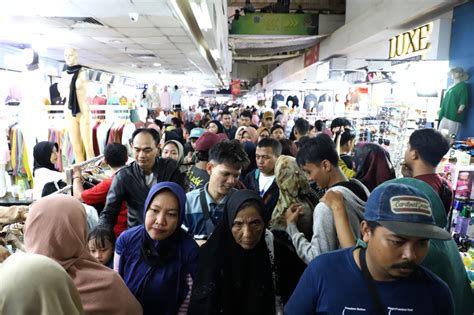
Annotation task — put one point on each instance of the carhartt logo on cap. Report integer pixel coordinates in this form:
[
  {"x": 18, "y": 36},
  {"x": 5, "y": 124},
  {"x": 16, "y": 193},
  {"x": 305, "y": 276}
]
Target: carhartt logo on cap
[{"x": 410, "y": 205}]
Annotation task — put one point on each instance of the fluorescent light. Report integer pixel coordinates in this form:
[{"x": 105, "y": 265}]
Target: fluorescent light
[
  {"x": 157, "y": 64},
  {"x": 201, "y": 14},
  {"x": 215, "y": 54}
]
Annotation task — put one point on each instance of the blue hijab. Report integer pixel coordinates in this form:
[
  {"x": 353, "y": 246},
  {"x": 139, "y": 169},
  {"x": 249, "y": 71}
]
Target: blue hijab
[{"x": 155, "y": 271}]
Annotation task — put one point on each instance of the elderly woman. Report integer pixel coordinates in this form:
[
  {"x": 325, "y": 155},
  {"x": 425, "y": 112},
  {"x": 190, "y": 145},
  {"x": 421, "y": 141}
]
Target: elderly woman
[
  {"x": 236, "y": 273},
  {"x": 36, "y": 284},
  {"x": 56, "y": 227},
  {"x": 158, "y": 259},
  {"x": 372, "y": 164}
]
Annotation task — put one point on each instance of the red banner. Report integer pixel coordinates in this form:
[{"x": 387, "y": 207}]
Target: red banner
[
  {"x": 311, "y": 56},
  {"x": 235, "y": 87}
]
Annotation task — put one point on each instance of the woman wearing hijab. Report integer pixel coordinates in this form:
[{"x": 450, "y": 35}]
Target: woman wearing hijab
[
  {"x": 236, "y": 273},
  {"x": 158, "y": 259},
  {"x": 239, "y": 132},
  {"x": 250, "y": 135},
  {"x": 173, "y": 149},
  {"x": 372, "y": 164},
  {"x": 215, "y": 126},
  {"x": 250, "y": 148},
  {"x": 262, "y": 132},
  {"x": 45, "y": 155},
  {"x": 56, "y": 227},
  {"x": 36, "y": 284}
]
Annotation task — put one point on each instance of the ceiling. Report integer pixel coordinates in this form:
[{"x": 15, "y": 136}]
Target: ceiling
[{"x": 158, "y": 42}]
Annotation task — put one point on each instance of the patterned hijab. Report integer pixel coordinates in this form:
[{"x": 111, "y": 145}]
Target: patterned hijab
[{"x": 294, "y": 187}]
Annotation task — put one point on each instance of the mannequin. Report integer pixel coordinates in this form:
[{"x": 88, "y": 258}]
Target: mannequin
[
  {"x": 455, "y": 102},
  {"x": 77, "y": 113},
  {"x": 176, "y": 99},
  {"x": 166, "y": 100},
  {"x": 154, "y": 98}
]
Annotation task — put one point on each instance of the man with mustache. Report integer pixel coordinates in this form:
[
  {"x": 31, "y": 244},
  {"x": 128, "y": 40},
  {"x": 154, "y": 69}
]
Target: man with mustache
[
  {"x": 384, "y": 276},
  {"x": 132, "y": 182}
]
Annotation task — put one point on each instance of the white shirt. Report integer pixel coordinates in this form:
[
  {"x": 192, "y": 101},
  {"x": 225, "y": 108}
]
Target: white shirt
[
  {"x": 264, "y": 183},
  {"x": 44, "y": 176},
  {"x": 176, "y": 97}
]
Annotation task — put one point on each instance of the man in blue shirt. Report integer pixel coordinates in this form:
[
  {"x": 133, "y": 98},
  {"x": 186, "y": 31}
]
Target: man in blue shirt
[
  {"x": 386, "y": 277},
  {"x": 205, "y": 206}
]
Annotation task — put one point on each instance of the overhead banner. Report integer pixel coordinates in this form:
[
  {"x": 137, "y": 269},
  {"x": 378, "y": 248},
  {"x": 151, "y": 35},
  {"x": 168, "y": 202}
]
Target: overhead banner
[
  {"x": 275, "y": 24},
  {"x": 311, "y": 56},
  {"x": 235, "y": 87}
]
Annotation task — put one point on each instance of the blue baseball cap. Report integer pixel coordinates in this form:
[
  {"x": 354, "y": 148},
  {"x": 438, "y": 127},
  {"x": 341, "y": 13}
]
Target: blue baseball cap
[
  {"x": 196, "y": 132},
  {"x": 404, "y": 210}
]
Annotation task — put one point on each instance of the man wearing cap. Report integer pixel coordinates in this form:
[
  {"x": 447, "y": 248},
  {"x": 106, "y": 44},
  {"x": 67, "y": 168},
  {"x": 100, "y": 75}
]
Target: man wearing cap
[
  {"x": 268, "y": 118},
  {"x": 229, "y": 128},
  {"x": 197, "y": 175},
  {"x": 205, "y": 206},
  {"x": 385, "y": 277}
]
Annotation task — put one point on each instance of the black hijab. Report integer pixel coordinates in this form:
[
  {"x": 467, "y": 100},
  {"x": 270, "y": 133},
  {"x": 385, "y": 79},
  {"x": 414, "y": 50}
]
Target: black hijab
[
  {"x": 231, "y": 280},
  {"x": 42, "y": 155},
  {"x": 220, "y": 127}
]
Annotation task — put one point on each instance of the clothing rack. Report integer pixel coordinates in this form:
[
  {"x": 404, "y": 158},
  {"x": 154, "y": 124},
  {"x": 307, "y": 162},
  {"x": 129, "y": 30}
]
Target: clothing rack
[
  {"x": 63, "y": 190},
  {"x": 69, "y": 171}
]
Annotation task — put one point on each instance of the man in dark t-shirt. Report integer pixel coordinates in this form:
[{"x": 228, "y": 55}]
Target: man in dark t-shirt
[
  {"x": 197, "y": 176},
  {"x": 426, "y": 148}
]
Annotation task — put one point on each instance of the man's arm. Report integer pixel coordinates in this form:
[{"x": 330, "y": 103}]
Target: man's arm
[
  {"x": 77, "y": 187},
  {"x": 324, "y": 235},
  {"x": 115, "y": 196}
]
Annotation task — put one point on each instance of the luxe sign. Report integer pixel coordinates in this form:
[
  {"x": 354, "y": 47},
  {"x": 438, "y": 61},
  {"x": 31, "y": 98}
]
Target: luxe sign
[{"x": 411, "y": 43}]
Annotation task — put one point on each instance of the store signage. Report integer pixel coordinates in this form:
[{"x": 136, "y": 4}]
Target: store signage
[
  {"x": 414, "y": 42},
  {"x": 311, "y": 56},
  {"x": 235, "y": 87},
  {"x": 275, "y": 24}
]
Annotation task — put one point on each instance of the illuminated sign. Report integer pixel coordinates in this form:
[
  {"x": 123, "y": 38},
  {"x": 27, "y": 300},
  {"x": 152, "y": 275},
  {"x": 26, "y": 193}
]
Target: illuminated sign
[{"x": 411, "y": 43}]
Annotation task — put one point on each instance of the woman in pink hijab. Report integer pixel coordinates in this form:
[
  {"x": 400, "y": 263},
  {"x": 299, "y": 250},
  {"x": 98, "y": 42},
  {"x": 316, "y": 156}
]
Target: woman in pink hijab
[{"x": 56, "y": 227}]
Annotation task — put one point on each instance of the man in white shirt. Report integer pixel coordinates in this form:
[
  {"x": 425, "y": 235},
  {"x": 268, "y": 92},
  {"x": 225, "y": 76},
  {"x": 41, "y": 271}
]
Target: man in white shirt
[{"x": 262, "y": 180}]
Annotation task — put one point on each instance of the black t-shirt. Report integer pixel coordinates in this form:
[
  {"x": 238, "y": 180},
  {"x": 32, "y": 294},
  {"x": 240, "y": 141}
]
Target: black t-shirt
[
  {"x": 347, "y": 160},
  {"x": 196, "y": 178},
  {"x": 355, "y": 188}
]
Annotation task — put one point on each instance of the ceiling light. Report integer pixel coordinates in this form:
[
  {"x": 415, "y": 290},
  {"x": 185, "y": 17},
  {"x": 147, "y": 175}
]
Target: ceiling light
[
  {"x": 156, "y": 64},
  {"x": 116, "y": 41},
  {"x": 215, "y": 54}
]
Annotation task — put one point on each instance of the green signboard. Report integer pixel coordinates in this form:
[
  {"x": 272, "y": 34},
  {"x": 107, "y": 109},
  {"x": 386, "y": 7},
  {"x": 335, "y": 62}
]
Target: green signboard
[{"x": 275, "y": 24}]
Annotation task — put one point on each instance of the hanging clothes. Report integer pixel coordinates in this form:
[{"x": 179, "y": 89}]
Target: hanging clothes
[{"x": 276, "y": 98}]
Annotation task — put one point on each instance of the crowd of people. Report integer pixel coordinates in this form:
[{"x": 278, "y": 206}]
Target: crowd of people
[{"x": 229, "y": 214}]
